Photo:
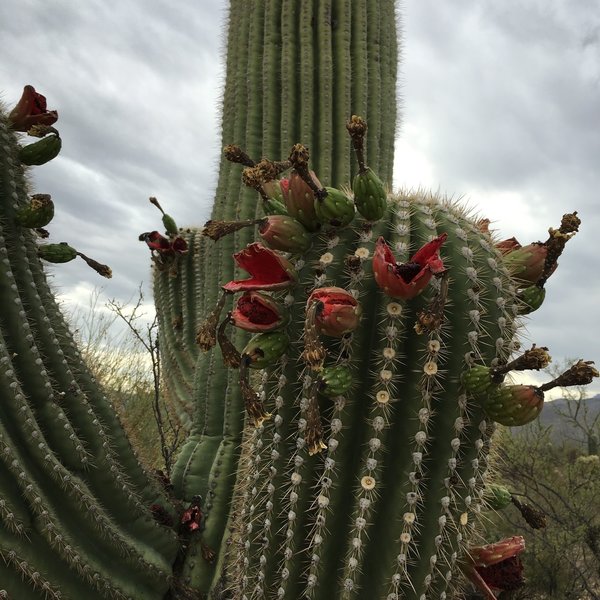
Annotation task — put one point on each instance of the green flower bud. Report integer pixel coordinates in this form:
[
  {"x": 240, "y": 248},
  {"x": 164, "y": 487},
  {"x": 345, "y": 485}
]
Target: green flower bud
[
  {"x": 477, "y": 380},
  {"x": 40, "y": 152},
  {"x": 170, "y": 225},
  {"x": 57, "y": 253},
  {"x": 265, "y": 349},
  {"x": 369, "y": 195},
  {"x": 38, "y": 213},
  {"x": 497, "y": 497},
  {"x": 335, "y": 381},
  {"x": 335, "y": 209},
  {"x": 532, "y": 297}
]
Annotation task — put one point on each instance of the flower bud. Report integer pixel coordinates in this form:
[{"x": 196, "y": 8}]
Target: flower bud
[
  {"x": 477, "y": 380},
  {"x": 42, "y": 151},
  {"x": 37, "y": 213},
  {"x": 497, "y": 497},
  {"x": 369, "y": 195},
  {"x": 57, "y": 253},
  {"x": 514, "y": 405},
  {"x": 282, "y": 232},
  {"x": 339, "y": 312},
  {"x": 335, "y": 381},
  {"x": 335, "y": 209},
  {"x": 265, "y": 349},
  {"x": 299, "y": 200},
  {"x": 532, "y": 298},
  {"x": 256, "y": 312}
]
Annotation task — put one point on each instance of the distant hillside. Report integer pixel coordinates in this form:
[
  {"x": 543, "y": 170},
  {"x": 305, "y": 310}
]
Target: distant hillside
[{"x": 562, "y": 430}]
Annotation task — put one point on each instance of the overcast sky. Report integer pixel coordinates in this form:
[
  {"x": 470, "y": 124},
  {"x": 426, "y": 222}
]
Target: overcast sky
[{"x": 501, "y": 106}]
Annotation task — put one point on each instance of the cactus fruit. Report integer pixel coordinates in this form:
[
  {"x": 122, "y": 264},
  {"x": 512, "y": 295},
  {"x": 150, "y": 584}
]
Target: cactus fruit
[{"x": 42, "y": 151}]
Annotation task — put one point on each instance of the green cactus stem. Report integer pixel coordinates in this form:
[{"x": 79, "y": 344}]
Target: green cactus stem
[{"x": 75, "y": 519}]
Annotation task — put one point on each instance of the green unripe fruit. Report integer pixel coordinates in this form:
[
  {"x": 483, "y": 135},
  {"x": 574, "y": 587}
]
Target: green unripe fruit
[
  {"x": 477, "y": 380},
  {"x": 369, "y": 195},
  {"x": 532, "y": 297},
  {"x": 497, "y": 497},
  {"x": 335, "y": 381},
  {"x": 38, "y": 213},
  {"x": 282, "y": 232},
  {"x": 57, "y": 253},
  {"x": 170, "y": 225},
  {"x": 335, "y": 210},
  {"x": 273, "y": 206},
  {"x": 265, "y": 349},
  {"x": 41, "y": 152}
]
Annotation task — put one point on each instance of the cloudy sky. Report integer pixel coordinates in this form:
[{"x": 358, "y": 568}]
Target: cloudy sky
[{"x": 501, "y": 106}]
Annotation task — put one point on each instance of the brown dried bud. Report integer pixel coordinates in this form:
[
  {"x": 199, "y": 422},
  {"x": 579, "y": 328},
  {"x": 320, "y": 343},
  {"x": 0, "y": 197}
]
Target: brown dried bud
[
  {"x": 254, "y": 405},
  {"x": 101, "y": 269},
  {"x": 313, "y": 435},
  {"x": 314, "y": 352},
  {"x": 534, "y": 358},
  {"x": 206, "y": 337},
  {"x": 235, "y": 154},
  {"x": 570, "y": 223},
  {"x": 215, "y": 230},
  {"x": 231, "y": 356},
  {"x": 534, "y": 517},
  {"x": 581, "y": 373}
]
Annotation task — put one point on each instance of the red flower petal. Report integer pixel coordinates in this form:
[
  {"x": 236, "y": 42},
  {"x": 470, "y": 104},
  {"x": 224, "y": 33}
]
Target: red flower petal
[
  {"x": 407, "y": 280},
  {"x": 31, "y": 110},
  {"x": 268, "y": 270}
]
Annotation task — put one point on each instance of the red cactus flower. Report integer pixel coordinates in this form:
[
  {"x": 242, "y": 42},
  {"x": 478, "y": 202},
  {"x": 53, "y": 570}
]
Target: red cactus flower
[
  {"x": 156, "y": 241},
  {"x": 31, "y": 110},
  {"x": 496, "y": 566},
  {"x": 257, "y": 313},
  {"x": 407, "y": 280},
  {"x": 340, "y": 311},
  {"x": 268, "y": 270}
]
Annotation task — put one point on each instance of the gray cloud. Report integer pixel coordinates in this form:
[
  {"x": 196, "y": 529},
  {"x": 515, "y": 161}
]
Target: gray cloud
[{"x": 501, "y": 105}]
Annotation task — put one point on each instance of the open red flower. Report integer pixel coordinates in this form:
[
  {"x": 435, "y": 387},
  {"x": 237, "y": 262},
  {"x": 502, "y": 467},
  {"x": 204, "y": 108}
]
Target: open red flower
[
  {"x": 257, "y": 313},
  {"x": 163, "y": 245},
  {"x": 31, "y": 110},
  {"x": 339, "y": 312},
  {"x": 496, "y": 566},
  {"x": 407, "y": 280},
  {"x": 268, "y": 270}
]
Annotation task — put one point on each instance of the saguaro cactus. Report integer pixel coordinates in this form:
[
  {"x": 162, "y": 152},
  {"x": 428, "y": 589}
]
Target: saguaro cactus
[{"x": 341, "y": 452}]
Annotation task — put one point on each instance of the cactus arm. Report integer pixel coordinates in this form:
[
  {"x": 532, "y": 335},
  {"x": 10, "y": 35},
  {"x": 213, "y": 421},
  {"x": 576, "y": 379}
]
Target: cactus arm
[{"x": 77, "y": 500}]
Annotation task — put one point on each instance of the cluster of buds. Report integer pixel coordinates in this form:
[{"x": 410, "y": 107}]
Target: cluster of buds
[
  {"x": 516, "y": 405},
  {"x": 532, "y": 265}
]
